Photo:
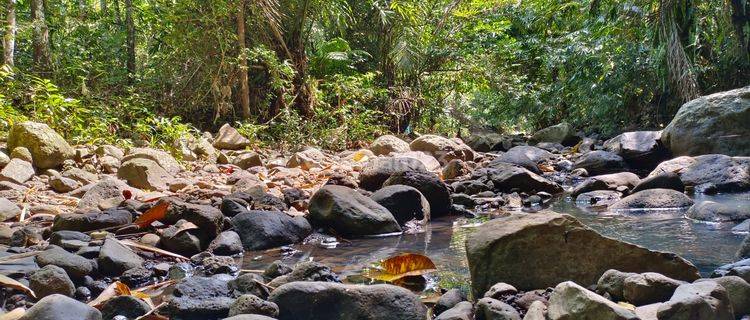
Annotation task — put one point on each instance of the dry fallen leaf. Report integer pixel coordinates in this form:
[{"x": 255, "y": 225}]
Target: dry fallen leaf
[
  {"x": 14, "y": 314},
  {"x": 403, "y": 265},
  {"x": 152, "y": 249},
  {"x": 6, "y": 281},
  {"x": 158, "y": 212}
]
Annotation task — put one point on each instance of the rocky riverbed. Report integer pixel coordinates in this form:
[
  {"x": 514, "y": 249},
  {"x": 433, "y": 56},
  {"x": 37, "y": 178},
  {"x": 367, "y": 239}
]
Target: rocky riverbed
[{"x": 230, "y": 231}]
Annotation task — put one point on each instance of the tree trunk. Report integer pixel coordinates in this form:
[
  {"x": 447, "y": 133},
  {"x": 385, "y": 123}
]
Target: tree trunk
[
  {"x": 741, "y": 20},
  {"x": 303, "y": 95},
  {"x": 42, "y": 57},
  {"x": 244, "y": 86},
  {"x": 118, "y": 14},
  {"x": 680, "y": 69},
  {"x": 130, "y": 38},
  {"x": 9, "y": 41}
]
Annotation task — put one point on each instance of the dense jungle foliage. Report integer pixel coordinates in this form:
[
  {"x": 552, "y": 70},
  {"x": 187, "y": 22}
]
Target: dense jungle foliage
[{"x": 338, "y": 72}]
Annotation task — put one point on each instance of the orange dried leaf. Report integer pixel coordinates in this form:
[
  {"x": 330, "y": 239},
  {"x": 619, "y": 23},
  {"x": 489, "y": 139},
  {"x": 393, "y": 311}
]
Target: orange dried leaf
[
  {"x": 9, "y": 282},
  {"x": 158, "y": 212},
  {"x": 403, "y": 265}
]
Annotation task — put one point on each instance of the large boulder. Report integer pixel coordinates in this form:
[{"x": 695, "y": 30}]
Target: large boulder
[
  {"x": 622, "y": 181},
  {"x": 600, "y": 162},
  {"x": 348, "y": 212},
  {"x": 429, "y": 184},
  {"x": 562, "y": 133},
  {"x": 540, "y": 250},
  {"x": 144, "y": 174},
  {"x": 443, "y": 149},
  {"x": 712, "y": 124},
  {"x": 384, "y": 145},
  {"x": 505, "y": 177},
  {"x": 653, "y": 199},
  {"x": 60, "y": 307},
  {"x": 700, "y": 300},
  {"x": 717, "y": 212},
  {"x": 378, "y": 170},
  {"x": 571, "y": 301},
  {"x": 490, "y": 141},
  {"x": 404, "y": 202},
  {"x": 231, "y": 139},
  {"x": 327, "y": 300},
  {"x": 261, "y": 230},
  {"x": 47, "y": 148},
  {"x": 717, "y": 173},
  {"x": 640, "y": 149}
]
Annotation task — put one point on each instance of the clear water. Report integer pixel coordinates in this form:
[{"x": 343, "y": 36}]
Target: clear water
[{"x": 706, "y": 245}]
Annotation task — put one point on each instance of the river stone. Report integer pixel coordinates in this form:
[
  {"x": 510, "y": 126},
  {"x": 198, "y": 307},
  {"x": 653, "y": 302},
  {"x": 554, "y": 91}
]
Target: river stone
[
  {"x": 500, "y": 290},
  {"x": 448, "y": 300},
  {"x": 17, "y": 171},
  {"x": 454, "y": 169},
  {"x": 653, "y": 199},
  {"x": 675, "y": 165},
  {"x": 8, "y": 209},
  {"x": 306, "y": 271},
  {"x": 115, "y": 258},
  {"x": 428, "y": 161},
  {"x": 429, "y": 184},
  {"x": 506, "y": 177},
  {"x": 251, "y": 304},
  {"x": 378, "y": 170},
  {"x": 535, "y": 154},
  {"x": 571, "y": 301},
  {"x": 711, "y": 124},
  {"x": 667, "y": 180},
  {"x": 700, "y": 300},
  {"x": 404, "y": 202},
  {"x": 716, "y": 212},
  {"x": 640, "y": 149},
  {"x": 107, "y": 188},
  {"x": 48, "y": 149},
  {"x": 51, "y": 280},
  {"x": 23, "y": 154},
  {"x": 327, "y": 300},
  {"x": 489, "y": 141},
  {"x": 110, "y": 150},
  {"x": 491, "y": 309},
  {"x": 537, "y": 311},
  {"x": 461, "y": 311},
  {"x": 348, "y": 212},
  {"x": 614, "y": 182},
  {"x": 306, "y": 159},
  {"x": 163, "y": 158},
  {"x": 85, "y": 222},
  {"x": 228, "y": 243},
  {"x": 386, "y": 144},
  {"x": 62, "y": 184},
  {"x": 443, "y": 149},
  {"x": 144, "y": 174},
  {"x": 562, "y": 133},
  {"x": 738, "y": 291},
  {"x": 600, "y": 162},
  {"x": 75, "y": 266},
  {"x": 260, "y": 230},
  {"x": 647, "y": 288},
  {"x": 612, "y": 282},
  {"x": 198, "y": 298},
  {"x": 718, "y": 172},
  {"x": 80, "y": 175},
  {"x": 209, "y": 220},
  {"x": 60, "y": 307},
  {"x": 513, "y": 156},
  {"x": 4, "y": 159},
  {"x": 540, "y": 250},
  {"x": 128, "y": 306},
  {"x": 228, "y": 138},
  {"x": 183, "y": 242}
]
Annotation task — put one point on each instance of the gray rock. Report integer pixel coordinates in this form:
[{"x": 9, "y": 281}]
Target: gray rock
[
  {"x": 249, "y": 317},
  {"x": 8, "y": 209},
  {"x": 179, "y": 239},
  {"x": 711, "y": 124},
  {"x": 386, "y": 144},
  {"x": 51, "y": 280},
  {"x": 110, "y": 150},
  {"x": 127, "y": 306},
  {"x": 4, "y": 159},
  {"x": 259, "y": 230},
  {"x": 404, "y": 202},
  {"x": 209, "y": 220},
  {"x": 640, "y": 149},
  {"x": 666, "y": 180},
  {"x": 349, "y": 212},
  {"x": 738, "y": 291},
  {"x": 250, "y": 304},
  {"x": 226, "y": 244},
  {"x": 571, "y": 301},
  {"x": 326, "y": 300},
  {"x": 144, "y": 174},
  {"x": 60, "y": 307},
  {"x": 506, "y": 177},
  {"x": 247, "y": 160},
  {"x": 85, "y": 222},
  {"x": 700, "y": 300},
  {"x": 115, "y": 258},
  {"x": 653, "y": 199},
  {"x": 454, "y": 169},
  {"x": 75, "y": 266},
  {"x": 250, "y": 283},
  {"x": 600, "y": 162},
  {"x": 562, "y": 133},
  {"x": 429, "y": 184},
  {"x": 718, "y": 172},
  {"x": 448, "y": 300},
  {"x": 612, "y": 282},
  {"x": 598, "y": 198},
  {"x": 22, "y": 153},
  {"x": 306, "y": 271},
  {"x": 107, "y": 188},
  {"x": 491, "y": 309},
  {"x": 716, "y": 212},
  {"x": 17, "y": 171},
  {"x": 163, "y": 158},
  {"x": 229, "y": 138},
  {"x": 461, "y": 311},
  {"x": 80, "y": 175},
  {"x": 647, "y": 288},
  {"x": 556, "y": 248},
  {"x": 47, "y": 148},
  {"x": 614, "y": 182},
  {"x": 537, "y": 311},
  {"x": 306, "y": 159},
  {"x": 500, "y": 290},
  {"x": 62, "y": 184},
  {"x": 380, "y": 169},
  {"x": 443, "y": 149},
  {"x": 198, "y": 298}
]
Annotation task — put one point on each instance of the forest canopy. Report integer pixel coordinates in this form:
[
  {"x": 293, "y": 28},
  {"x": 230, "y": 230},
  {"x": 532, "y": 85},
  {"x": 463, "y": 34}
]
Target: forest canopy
[{"x": 339, "y": 72}]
